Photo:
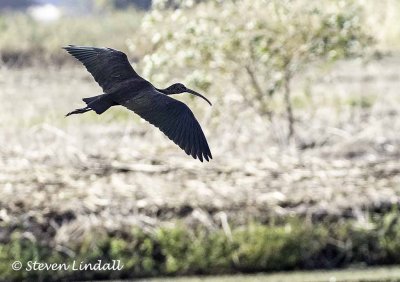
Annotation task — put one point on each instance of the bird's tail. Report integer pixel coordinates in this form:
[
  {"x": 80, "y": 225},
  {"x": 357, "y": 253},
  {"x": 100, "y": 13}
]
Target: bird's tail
[
  {"x": 91, "y": 99},
  {"x": 99, "y": 103}
]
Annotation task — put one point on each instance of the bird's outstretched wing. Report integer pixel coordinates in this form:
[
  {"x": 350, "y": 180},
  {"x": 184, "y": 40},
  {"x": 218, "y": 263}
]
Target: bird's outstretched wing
[
  {"x": 174, "y": 119},
  {"x": 109, "y": 67}
]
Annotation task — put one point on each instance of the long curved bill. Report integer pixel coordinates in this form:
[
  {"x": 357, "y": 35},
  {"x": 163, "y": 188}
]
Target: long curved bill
[{"x": 197, "y": 94}]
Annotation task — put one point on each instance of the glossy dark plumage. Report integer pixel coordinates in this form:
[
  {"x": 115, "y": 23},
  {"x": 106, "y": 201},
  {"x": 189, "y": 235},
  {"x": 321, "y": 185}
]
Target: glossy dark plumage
[{"x": 123, "y": 86}]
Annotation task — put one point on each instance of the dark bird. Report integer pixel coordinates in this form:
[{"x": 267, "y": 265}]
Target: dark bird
[{"x": 123, "y": 86}]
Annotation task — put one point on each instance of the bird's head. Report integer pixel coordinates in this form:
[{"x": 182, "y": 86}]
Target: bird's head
[{"x": 178, "y": 88}]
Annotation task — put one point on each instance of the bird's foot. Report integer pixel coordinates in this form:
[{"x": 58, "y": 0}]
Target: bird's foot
[{"x": 79, "y": 111}]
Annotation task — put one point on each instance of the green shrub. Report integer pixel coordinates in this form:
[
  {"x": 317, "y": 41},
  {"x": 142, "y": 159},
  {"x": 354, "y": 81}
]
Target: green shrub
[
  {"x": 195, "y": 252},
  {"x": 177, "y": 249},
  {"x": 276, "y": 247}
]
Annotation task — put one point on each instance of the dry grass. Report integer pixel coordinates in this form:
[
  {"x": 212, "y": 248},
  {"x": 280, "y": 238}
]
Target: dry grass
[
  {"x": 115, "y": 171},
  {"x": 24, "y": 41}
]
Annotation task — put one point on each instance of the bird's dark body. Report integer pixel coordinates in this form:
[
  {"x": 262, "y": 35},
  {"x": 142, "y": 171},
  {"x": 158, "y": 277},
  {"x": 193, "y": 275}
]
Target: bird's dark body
[
  {"x": 123, "y": 86},
  {"x": 118, "y": 95},
  {"x": 130, "y": 87}
]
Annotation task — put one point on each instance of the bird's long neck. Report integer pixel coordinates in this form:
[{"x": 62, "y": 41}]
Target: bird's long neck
[{"x": 164, "y": 91}]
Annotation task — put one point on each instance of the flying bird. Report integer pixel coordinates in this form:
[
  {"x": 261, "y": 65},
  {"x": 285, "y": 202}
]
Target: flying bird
[{"x": 123, "y": 86}]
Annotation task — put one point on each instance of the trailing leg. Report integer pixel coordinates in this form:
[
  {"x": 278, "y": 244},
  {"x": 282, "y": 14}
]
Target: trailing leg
[{"x": 79, "y": 111}]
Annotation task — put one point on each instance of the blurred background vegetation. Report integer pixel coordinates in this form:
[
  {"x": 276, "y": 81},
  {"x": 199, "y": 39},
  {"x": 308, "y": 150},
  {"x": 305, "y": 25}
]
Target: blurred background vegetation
[{"x": 304, "y": 134}]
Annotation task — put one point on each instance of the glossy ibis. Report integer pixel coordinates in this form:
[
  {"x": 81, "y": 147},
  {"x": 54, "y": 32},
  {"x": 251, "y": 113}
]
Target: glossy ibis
[{"x": 123, "y": 86}]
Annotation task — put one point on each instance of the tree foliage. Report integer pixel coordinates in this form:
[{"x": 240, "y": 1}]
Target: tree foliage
[{"x": 255, "y": 46}]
